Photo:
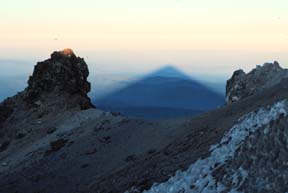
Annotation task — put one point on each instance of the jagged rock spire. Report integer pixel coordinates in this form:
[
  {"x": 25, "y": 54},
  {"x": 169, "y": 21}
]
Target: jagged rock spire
[
  {"x": 62, "y": 74},
  {"x": 242, "y": 85}
]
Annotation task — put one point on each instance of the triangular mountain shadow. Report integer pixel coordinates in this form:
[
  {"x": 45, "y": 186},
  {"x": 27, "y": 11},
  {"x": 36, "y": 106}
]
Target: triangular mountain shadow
[
  {"x": 165, "y": 93},
  {"x": 168, "y": 71}
]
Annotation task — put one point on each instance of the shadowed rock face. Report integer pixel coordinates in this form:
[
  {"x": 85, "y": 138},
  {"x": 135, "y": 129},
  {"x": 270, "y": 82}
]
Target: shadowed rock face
[
  {"x": 57, "y": 84},
  {"x": 63, "y": 74},
  {"x": 242, "y": 85},
  {"x": 5, "y": 112}
]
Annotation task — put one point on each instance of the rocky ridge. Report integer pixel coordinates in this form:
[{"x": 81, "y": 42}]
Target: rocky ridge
[{"x": 242, "y": 85}]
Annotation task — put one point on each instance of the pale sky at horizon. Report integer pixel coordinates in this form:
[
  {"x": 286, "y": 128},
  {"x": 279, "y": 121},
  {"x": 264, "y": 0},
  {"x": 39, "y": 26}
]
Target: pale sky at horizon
[{"x": 198, "y": 35}]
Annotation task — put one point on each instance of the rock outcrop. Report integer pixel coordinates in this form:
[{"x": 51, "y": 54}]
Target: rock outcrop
[
  {"x": 57, "y": 84},
  {"x": 242, "y": 85},
  {"x": 64, "y": 74}
]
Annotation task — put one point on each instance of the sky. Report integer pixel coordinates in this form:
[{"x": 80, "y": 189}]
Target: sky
[{"x": 200, "y": 37}]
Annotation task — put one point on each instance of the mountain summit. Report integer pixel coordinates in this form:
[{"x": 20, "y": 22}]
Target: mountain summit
[{"x": 169, "y": 71}]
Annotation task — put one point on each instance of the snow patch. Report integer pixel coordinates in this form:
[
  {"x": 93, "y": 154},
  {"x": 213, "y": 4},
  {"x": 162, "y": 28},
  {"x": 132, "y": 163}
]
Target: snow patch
[{"x": 198, "y": 178}]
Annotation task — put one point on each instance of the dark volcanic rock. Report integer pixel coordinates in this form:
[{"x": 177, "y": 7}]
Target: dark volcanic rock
[
  {"x": 263, "y": 155},
  {"x": 58, "y": 84},
  {"x": 63, "y": 74},
  {"x": 5, "y": 112},
  {"x": 242, "y": 85},
  {"x": 57, "y": 145}
]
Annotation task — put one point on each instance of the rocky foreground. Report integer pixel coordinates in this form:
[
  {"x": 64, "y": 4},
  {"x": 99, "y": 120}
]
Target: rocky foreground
[{"x": 53, "y": 140}]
